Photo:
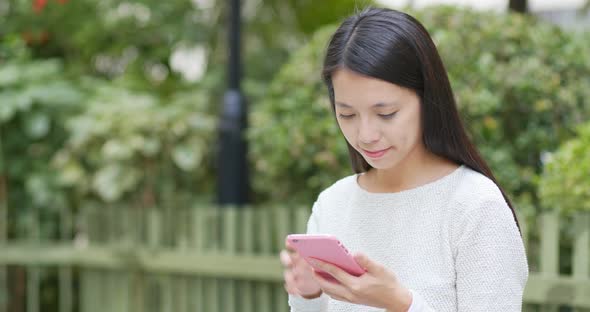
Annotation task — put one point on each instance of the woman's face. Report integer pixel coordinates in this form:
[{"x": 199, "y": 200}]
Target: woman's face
[{"x": 379, "y": 119}]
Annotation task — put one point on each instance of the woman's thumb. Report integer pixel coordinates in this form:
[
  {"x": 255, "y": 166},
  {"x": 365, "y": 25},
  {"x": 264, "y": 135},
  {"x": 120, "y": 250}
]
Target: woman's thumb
[{"x": 365, "y": 262}]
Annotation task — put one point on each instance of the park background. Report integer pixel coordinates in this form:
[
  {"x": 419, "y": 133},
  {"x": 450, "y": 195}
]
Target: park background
[{"x": 110, "y": 122}]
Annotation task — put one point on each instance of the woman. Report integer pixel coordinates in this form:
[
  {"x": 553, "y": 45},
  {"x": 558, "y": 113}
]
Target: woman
[{"x": 436, "y": 231}]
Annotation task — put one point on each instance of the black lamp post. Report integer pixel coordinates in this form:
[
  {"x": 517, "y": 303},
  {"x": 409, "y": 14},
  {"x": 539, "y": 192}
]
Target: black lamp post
[{"x": 233, "y": 184}]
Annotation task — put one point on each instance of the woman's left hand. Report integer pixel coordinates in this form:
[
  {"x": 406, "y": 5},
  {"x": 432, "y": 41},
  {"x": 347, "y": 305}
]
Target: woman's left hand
[{"x": 378, "y": 287}]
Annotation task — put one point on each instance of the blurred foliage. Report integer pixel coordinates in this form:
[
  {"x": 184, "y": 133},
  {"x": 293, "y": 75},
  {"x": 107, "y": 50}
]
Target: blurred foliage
[
  {"x": 135, "y": 149},
  {"x": 96, "y": 142},
  {"x": 140, "y": 38},
  {"x": 311, "y": 15},
  {"x": 107, "y": 38},
  {"x": 565, "y": 183},
  {"x": 35, "y": 101},
  {"x": 521, "y": 84}
]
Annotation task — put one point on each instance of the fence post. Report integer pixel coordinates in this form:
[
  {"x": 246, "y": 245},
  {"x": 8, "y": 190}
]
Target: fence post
[
  {"x": 197, "y": 243},
  {"x": 549, "y": 228},
  {"x": 229, "y": 235},
  {"x": 581, "y": 252},
  {"x": 264, "y": 239},
  {"x": 247, "y": 247},
  {"x": 549, "y": 253},
  {"x": 211, "y": 286},
  {"x": 282, "y": 223},
  {"x": 33, "y": 273},
  {"x": 65, "y": 273}
]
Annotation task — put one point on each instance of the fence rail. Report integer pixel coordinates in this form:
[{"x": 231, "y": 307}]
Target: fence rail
[{"x": 211, "y": 259}]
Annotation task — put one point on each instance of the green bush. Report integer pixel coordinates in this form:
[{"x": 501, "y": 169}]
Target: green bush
[
  {"x": 137, "y": 149},
  {"x": 565, "y": 183},
  {"x": 36, "y": 99},
  {"x": 521, "y": 85}
]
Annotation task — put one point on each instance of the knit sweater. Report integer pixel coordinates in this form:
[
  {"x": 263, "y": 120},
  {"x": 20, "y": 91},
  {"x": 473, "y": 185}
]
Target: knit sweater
[{"x": 452, "y": 242}]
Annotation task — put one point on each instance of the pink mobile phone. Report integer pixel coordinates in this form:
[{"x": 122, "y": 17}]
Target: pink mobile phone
[{"x": 326, "y": 248}]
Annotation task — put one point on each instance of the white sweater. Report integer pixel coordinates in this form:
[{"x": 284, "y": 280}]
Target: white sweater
[{"x": 452, "y": 242}]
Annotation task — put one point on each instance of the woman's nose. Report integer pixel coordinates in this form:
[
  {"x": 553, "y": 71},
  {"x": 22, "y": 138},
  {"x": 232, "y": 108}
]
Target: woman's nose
[{"x": 369, "y": 133}]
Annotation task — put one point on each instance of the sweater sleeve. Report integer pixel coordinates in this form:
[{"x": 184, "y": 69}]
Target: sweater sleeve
[
  {"x": 490, "y": 259},
  {"x": 297, "y": 303},
  {"x": 419, "y": 304}
]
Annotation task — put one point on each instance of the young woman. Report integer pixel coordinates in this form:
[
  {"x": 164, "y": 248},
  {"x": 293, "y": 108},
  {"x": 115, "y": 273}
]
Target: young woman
[{"x": 435, "y": 230}]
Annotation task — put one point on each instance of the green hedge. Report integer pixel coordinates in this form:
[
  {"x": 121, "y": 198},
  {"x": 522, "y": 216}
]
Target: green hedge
[
  {"x": 565, "y": 183},
  {"x": 36, "y": 99},
  {"x": 137, "y": 149},
  {"x": 521, "y": 85}
]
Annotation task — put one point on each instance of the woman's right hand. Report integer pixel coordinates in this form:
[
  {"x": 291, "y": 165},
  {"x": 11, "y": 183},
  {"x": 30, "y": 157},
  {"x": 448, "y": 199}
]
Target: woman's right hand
[{"x": 298, "y": 274}]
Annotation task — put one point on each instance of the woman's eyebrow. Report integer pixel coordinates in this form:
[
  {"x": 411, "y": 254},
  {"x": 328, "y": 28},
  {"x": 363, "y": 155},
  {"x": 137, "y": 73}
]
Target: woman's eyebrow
[
  {"x": 378, "y": 104},
  {"x": 382, "y": 104}
]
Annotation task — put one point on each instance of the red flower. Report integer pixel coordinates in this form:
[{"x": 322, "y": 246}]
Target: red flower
[{"x": 39, "y": 5}]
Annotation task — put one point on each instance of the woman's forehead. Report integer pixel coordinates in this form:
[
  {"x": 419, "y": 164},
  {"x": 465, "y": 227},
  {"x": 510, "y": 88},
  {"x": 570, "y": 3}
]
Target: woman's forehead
[{"x": 352, "y": 89}]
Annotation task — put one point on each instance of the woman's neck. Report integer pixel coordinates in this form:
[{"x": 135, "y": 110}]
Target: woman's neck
[{"x": 417, "y": 169}]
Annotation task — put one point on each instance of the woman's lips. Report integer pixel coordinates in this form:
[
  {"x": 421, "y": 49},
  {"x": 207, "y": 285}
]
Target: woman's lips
[{"x": 375, "y": 154}]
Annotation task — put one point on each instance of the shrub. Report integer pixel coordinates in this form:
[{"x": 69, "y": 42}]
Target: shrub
[
  {"x": 36, "y": 99},
  {"x": 565, "y": 182},
  {"x": 137, "y": 149}
]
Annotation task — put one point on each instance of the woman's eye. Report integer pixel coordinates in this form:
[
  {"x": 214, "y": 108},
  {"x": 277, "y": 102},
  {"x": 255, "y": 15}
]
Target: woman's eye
[
  {"x": 345, "y": 116},
  {"x": 387, "y": 116}
]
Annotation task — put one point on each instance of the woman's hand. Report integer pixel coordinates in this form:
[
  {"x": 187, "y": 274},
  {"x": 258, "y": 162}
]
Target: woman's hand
[
  {"x": 378, "y": 287},
  {"x": 299, "y": 275}
]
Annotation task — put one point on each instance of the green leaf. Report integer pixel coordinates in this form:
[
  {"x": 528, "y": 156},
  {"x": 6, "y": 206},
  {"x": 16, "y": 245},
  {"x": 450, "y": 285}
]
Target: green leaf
[
  {"x": 37, "y": 125},
  {"x": 187, "y": 157},
  {"x": 111, "y": 181},
  {"x": 9, "y": 75}
]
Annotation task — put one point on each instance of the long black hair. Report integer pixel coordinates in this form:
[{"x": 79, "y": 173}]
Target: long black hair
[{"x": 393, "y": 46}]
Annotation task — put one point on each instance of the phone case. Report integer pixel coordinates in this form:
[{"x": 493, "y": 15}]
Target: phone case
[{"x": 326, "y": 248}]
